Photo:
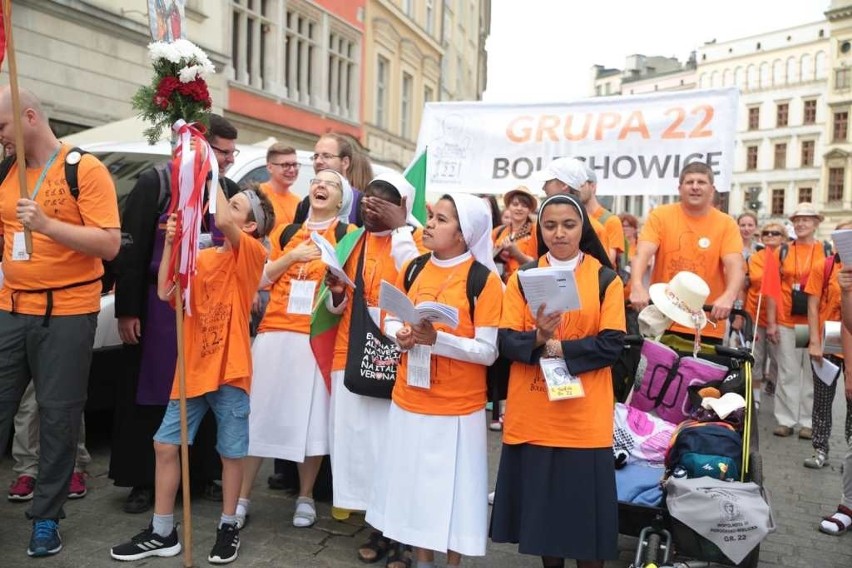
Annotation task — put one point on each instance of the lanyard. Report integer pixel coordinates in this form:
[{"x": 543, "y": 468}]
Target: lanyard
[{"x": 43, "y": 173}]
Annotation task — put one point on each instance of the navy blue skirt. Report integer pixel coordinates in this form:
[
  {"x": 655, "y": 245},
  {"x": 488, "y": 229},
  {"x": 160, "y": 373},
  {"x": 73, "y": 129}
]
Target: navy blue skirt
[{"x": 558, "y": 502}]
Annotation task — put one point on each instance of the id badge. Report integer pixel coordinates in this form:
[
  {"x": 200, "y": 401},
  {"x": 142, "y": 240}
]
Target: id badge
[
  {"x": 205, "y": 240},
  {"x": 419, "y": 367},
  {"x": 561, "y": 384},
  {"x": 301, "y": 300},
  {"x": 19, "y": 247}
]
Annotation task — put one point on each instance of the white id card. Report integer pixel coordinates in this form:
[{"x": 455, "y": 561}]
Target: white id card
[
  {"x": 301, "y": 300},
  {"x": 561, "y": 384},
  {"x": 419, "y": 368},
  {"x": 19, "y": 247}
]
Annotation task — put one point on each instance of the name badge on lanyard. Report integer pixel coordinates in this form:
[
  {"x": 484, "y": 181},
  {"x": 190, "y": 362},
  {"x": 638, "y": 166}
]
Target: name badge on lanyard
[
  {"x": 19, "y": 247},
  {"x": 561, "y": 384},
  {"x": 301, "y": 300},
  {"x": 419, "y": 367}
]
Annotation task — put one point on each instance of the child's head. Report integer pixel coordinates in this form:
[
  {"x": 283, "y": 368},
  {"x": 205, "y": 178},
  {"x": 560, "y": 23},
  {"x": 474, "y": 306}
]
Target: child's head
[{"x": 253, "y": 211}]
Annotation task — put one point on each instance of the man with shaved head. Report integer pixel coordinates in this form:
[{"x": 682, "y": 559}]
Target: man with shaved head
[{"x": 50, "y": 296}]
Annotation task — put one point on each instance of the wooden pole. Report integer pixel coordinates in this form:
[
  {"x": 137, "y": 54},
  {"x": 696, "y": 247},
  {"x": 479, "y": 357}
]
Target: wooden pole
[
  {"x": 16, "y": 115},
  {"x": 184, "y": 434}
]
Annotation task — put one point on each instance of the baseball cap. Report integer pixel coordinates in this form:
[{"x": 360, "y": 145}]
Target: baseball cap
[
  {"x": 569, "y": 171},
  {"x": 590, "y": 173}
]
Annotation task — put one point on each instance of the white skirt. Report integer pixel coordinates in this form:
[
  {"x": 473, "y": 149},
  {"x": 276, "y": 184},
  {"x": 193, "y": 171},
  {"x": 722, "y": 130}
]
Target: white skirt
[
  {"x": 434, "y": 493},
  {"x": 358, "y": 436},
  {"x": 289, "y": 399}
]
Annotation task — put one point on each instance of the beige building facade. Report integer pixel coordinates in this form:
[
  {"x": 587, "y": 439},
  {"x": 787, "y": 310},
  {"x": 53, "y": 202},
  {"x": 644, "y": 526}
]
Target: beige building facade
[{"x": 837, "y": 151}]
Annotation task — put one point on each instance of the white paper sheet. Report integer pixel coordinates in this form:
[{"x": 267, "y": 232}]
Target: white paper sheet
[
  {"x": 843, "y": 245},
  {"x": 826, "y": 371},
  {"x": 329, "y": 258},
  {"x": 396, "y": 302},
  {"x": 554, "y": 287}
]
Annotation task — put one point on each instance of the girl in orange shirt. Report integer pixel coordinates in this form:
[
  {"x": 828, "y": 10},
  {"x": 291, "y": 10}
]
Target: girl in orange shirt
[
  {"x": 289, "y": 398},
  {"x": 514, "y": 244},
  {"x": 435, "y": 496},
  {"x": 556, "y": 493}
]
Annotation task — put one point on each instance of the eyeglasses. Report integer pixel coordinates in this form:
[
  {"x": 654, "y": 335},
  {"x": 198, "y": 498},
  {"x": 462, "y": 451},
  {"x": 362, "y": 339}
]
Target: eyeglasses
[
  {"x": 771, "y": 234},
  {"x": 233, "y": 152},
  {"x": 286, "y": 165},
  {"x": 325, "y": 156},
  {"x": 325, "y": 183}
]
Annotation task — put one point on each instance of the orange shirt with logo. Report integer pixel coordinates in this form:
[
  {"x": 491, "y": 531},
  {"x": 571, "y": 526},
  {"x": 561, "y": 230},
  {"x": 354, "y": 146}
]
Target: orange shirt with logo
[
  {"x": 526, "y": 244},
  {"x": 796, "y": 270},
  {"x": 694, "y": 244},
  {"x": 531, "y": 418},
  {"x": 612, "y": 229},
  {"x": 284, "y": 204},
  {"x": 276, "y": 317},
  {"x": 53, "y": 265},
  {"x": 217, "y": 346},
  {"x": 378, "y": 266},
  {"x": 457, "y": 387},
  {"x": 829, "y": 293}
]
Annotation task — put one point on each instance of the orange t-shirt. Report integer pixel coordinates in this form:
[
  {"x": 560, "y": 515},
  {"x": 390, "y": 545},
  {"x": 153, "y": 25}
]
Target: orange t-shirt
[
  {"x": 829, "y": 303},
  {"x": 457, "y": 387},
  {"x": 695, "y": 244},
  {"x": 613, "y": 230},
  {"x": 217, "y": 346},
  {"x": 796, "y": 269},
  {"x": 378, "y": 266},
  {"x": 276, "y": 317},
  {"x": 531, "y": 418},
  {"x": 53, "y": 265},
  {"x": 284, "y": 204},
  {"x": 600, "y": 231},
  {"x": 755, "y": 267},
  {"x": 526, "y": 244}
]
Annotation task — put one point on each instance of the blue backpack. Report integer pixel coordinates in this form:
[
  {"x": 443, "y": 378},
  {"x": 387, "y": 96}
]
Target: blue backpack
[{"x": 712, "y": 449}]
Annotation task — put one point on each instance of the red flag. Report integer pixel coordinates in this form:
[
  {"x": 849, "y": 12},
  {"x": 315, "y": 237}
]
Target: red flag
[
  {"x": 2, "y": 32},
  {"x": 771, "y": 284}
]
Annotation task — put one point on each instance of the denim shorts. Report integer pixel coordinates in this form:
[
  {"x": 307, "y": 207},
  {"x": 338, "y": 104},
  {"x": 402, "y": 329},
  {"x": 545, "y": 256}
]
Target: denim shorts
[{"x": 230, "y": 405}]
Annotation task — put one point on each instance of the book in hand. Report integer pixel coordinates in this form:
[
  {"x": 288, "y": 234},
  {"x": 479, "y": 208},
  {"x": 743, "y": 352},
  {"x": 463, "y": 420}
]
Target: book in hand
[
  {"x": 843, "y": 245},
  {"x": 550, "y": 286},
  {"x": 397, "y": 303},
  {"x": 329, "y": 258}
]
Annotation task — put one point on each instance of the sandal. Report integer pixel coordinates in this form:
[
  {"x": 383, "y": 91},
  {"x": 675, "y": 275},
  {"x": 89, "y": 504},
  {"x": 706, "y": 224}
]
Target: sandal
[
  {"x": 399, "y": 556},
  {"x": 838, "y": 519},
  {"x": 306, "y": 513},
  {"x": 376, "y": 548}
]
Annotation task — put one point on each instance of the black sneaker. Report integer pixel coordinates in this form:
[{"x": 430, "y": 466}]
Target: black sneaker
[
  {"x": 227, "y": 545},
  {"x": 145, "y": 544}
]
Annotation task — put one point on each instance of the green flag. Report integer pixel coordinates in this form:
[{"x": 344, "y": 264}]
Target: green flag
[{"x": 415, "y": 173}]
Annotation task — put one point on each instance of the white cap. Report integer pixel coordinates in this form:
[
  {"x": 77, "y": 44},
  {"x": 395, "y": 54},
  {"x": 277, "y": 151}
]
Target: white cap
[{"x": 569, "y": 171}]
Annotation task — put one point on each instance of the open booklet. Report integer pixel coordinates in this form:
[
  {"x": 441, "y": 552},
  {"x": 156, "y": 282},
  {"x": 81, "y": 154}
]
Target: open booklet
[
  {"x": 396, "y": 302},
  {"x": 552, "y": 286},
  {"x": 329, "y": 258},
  {"x": 843, "y": 245}
]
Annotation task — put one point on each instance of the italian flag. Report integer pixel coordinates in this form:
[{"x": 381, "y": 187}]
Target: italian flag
[
  {"x": 324, "y": 323},
  {"x": 415, "y": 173}
]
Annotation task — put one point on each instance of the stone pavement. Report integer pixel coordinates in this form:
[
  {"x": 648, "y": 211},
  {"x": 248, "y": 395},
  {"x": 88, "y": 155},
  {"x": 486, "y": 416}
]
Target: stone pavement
[{"x": 799, "y": 497}]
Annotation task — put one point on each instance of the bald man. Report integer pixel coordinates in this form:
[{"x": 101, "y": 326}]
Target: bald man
[{"x": 50, "y": 297}]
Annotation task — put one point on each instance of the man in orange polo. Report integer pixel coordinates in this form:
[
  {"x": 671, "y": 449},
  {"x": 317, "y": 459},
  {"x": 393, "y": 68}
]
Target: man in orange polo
[
  {"x": 50, "y": 297},
  {"x": 283, "y": 167},
  {"x": 694, "y": 236}
]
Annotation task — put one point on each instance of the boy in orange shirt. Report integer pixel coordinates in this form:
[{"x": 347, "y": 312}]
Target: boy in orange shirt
[{"x": 217, "y": 353}]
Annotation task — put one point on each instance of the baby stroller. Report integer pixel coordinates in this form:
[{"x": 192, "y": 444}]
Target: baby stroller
[{"x": 661, "y": 535}]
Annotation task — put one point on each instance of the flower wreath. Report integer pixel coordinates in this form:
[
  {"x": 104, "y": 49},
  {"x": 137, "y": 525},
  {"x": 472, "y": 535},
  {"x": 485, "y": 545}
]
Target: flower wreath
[{"x": 178, "y": 89}]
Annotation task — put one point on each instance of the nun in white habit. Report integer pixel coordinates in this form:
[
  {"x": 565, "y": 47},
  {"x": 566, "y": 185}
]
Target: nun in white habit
[{"x": 433, "y": 494}]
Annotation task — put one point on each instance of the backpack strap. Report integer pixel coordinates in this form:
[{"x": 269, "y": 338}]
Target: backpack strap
[
  {"x": 477, "y": 277},
  {"x": 72, "y": 164},
  {"x": 827, "y": 249},
  {"x": 164, "y": 172},
  {"x": 5, "y": 166},
  {"x": 288, "y": 233},
  {"x": 604, "y": 216},
  {"x": 414, "y": 269},
  {"x": 605, "y": 277},
  {"x": 340, "y": 231},
  {"x": 827, "y": 269}
]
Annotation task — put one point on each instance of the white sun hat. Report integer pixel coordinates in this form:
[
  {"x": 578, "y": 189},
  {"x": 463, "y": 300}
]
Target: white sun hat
[
  {"x": 725, "y": 405},
  {"x": 682, "y": 299}
]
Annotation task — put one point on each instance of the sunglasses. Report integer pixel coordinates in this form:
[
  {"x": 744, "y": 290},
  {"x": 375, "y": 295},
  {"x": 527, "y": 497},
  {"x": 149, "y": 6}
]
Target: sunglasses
[{"x": 771, "y": 234}]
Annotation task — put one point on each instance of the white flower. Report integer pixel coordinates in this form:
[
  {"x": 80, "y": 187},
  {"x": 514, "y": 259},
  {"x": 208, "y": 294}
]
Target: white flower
[
  {"x": 184, "y": 52},
  {"x": 189, "y": 73}
]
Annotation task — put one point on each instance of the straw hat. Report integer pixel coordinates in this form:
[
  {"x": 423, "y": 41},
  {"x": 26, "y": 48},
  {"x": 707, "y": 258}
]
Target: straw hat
[
  {"x": 523, "y": 192},
  {"x": 682, "y": 299},
  {"x": 806, "y": 209}
]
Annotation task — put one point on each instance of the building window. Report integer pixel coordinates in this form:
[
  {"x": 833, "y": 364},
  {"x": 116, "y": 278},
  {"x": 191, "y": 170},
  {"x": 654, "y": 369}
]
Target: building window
[
  {"x": 342, "y": 75},
  {"x": 780, "y": 156},
  {"x": 407, "y": 7},
  {"x": 808, "y": 152},
  {"x": 777, "y": 201},
  {"x": 300, "y": 61},
  {"x": 754, "y": 118},
  {"x": 751, "y": 157},
  {"x": 781, "y": 114},
  {"x": 405, "y": 105},
  {"x": 841, "y": 121},
  {"x": 841, "y": 78},
  {"x": 428, "y": 95},
  {"x": 430, "y": 16},
  {"x": 606, "y": 89},
  {"x": 810, "y": 112},
  {"x": 806, "y": 195},
  {"x": 251, "y": 42},
  {"x": 382, "y": 91},
  {"x": 835, "y": 185}
]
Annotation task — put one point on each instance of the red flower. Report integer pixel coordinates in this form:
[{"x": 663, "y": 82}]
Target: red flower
[
  {"x": 165, "y": 88},
  {"x": 197, "y": 90}
]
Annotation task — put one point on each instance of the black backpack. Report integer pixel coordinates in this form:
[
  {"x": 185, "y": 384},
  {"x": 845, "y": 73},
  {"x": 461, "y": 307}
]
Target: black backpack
[{"x": 70, "y": 169}]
